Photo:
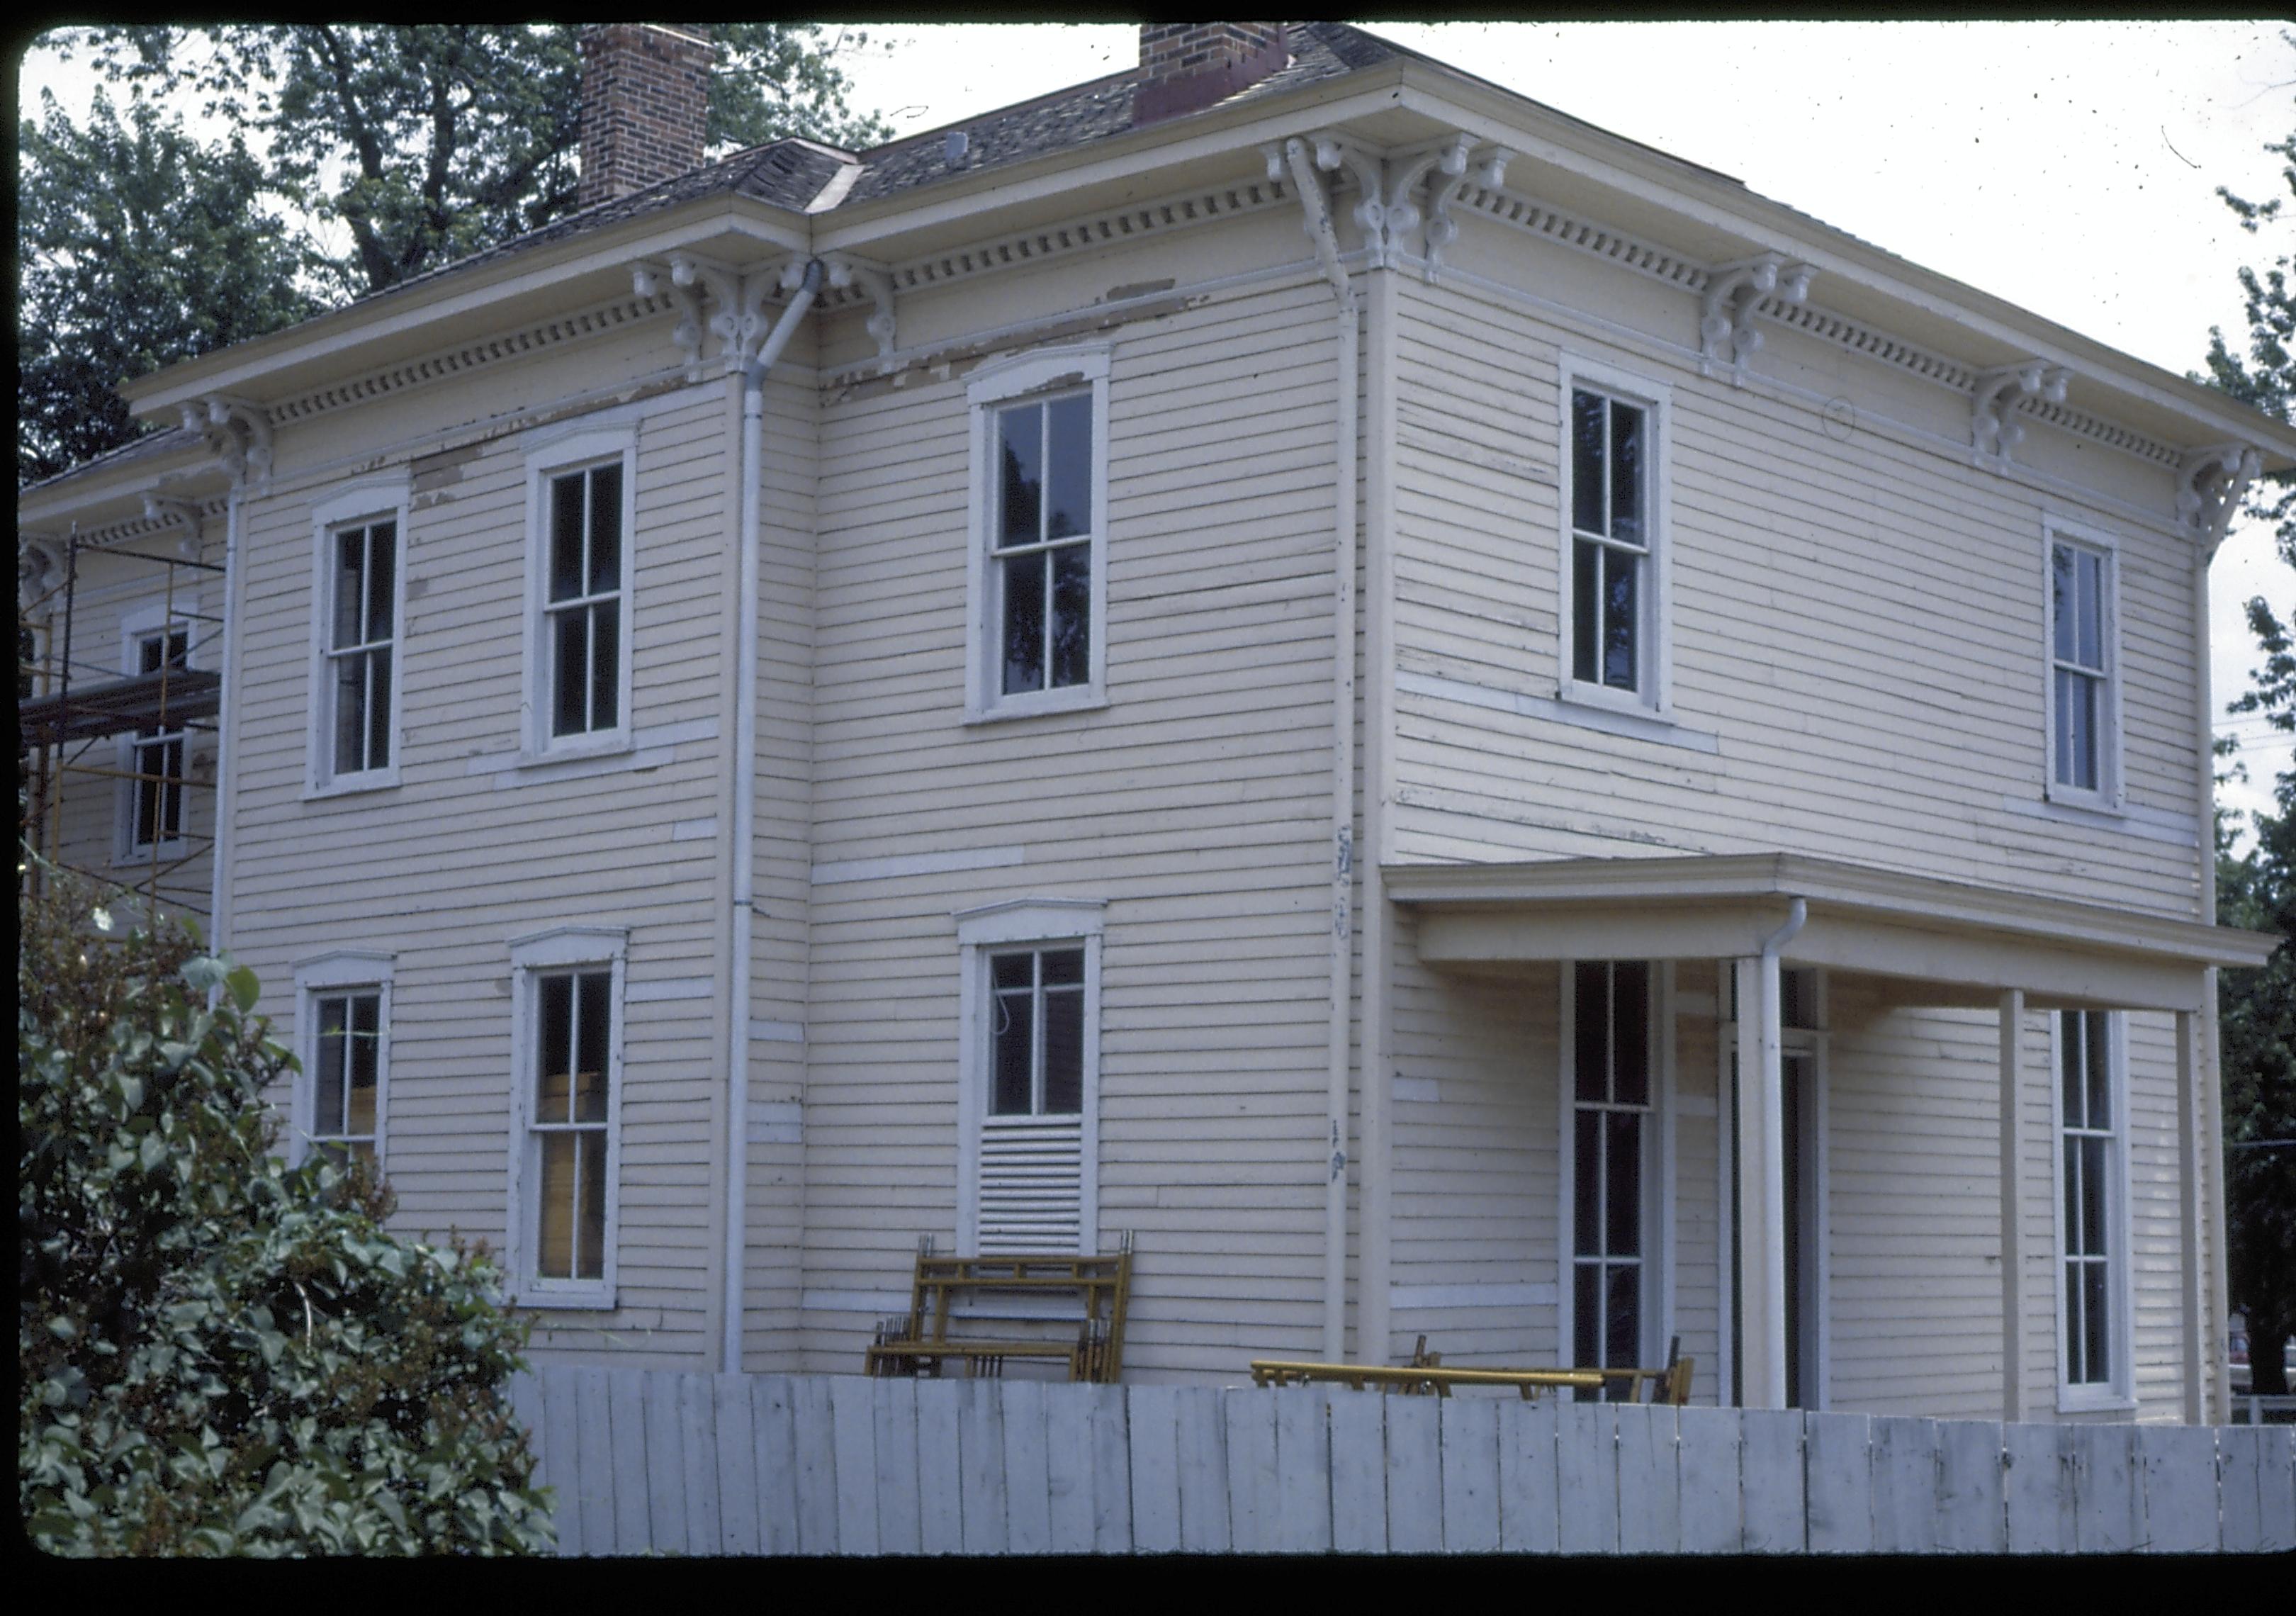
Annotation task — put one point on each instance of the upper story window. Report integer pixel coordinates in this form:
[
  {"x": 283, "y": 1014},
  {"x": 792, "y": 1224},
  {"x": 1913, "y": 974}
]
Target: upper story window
[
  {"x": 152, "y": 802},
  {"x": 357, "y": 607},
  {"x": 2084, "y": 722},
  {"x": 2091, "y": 1174},
  {"x": 578, "y": 647},
  {"x": 343, "y": 1007},
  {"x": 566, "y": 1145},
  {"x": 1038, "y": 574},
  {"x": 1614, "y": 561}
]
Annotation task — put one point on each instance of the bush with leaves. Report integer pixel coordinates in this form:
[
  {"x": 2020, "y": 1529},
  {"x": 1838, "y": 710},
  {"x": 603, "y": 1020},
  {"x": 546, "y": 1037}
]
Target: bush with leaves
[{"x": 220, "y": 1354}]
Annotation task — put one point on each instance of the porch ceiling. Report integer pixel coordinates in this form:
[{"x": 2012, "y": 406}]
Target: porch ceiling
[{"x": 1939, "y": 942}]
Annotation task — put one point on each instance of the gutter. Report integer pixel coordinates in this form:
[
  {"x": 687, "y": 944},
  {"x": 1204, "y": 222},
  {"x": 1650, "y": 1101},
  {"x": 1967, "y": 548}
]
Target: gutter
[{"x": 743, "y": 772}]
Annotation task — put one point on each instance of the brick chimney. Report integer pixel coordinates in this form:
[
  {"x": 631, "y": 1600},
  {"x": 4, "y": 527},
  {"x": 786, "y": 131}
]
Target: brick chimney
[
  {"x": 646, "y": 105},
  {"x": 1187, "y": 65}
]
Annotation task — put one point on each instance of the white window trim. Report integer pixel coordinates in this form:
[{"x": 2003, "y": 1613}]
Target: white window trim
[
  {"x": 369, "y": 500},
  {"x": 1658, "y": 1169},
  {"x": 2109, "y": 797},
  {"x": 1007, "y": 382},
  {"x": 344, "y": 971},
  {"x": 1657, "y": 695},
  {"x": 2118, "y": 1395},
  {"x": 1034, "y": 922},
  {"x": 545, "y": 459},
  {"x": 560, "y": 949},
  {"x": 134, "y": 624}
]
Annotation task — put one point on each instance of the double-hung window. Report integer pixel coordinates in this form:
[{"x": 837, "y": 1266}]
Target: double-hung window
[
  {"x": 1030, "y": 1078},
  {"x": 151, "y": 803},
  {"x": 583, "y": 511},
  {"x": 357, "y": 605},
  {"x": 2092, "y": 1221},
  {"x": 1614, "y": 563},
  {"x": 2083, "y": 709},
  {"x": 1610, "y": 1087},
  {"x": 343, "y": 1007},
  {"x": 1038, "y": 570},
  {"x": 566, "y": 1080}
]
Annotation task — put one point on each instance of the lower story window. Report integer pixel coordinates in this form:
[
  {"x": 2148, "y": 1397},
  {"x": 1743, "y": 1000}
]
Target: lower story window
[
  {"x": 570, "y": 1077},
  {"x": 2090, "y": 1182},
  {"x": 345, "y": 1078},
  {"x": 1611, "y": 1146}
]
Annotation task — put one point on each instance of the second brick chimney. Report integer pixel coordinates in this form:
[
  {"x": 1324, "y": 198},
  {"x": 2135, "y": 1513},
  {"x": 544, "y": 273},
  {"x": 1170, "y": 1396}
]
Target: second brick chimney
[
  {"x": 1187, "y": 65},
  {"x": 646, "y": 105}
]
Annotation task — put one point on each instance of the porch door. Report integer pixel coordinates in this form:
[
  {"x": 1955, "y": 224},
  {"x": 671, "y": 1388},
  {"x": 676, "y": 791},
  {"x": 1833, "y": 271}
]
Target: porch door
[{"x": 1804, "y": 1231}]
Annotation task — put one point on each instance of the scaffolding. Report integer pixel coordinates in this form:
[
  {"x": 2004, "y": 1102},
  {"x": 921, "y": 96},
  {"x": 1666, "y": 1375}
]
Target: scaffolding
[{"x": 70, "y": 706}]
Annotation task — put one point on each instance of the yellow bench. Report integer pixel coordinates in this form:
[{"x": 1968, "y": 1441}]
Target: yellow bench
[{"x": 961, "y": 1294}]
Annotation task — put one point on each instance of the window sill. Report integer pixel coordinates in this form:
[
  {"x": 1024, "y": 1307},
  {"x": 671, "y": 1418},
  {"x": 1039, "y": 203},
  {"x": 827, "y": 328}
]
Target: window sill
[
  {"x": 565, "y": 1301},
  {"x": 1079, "y": 698},
  {"x": 142, "y": 858},
  {"x": 353, "y": 785},
  {"x": 2070, "y": 1400},
  {"x": 613, "y": 745}
]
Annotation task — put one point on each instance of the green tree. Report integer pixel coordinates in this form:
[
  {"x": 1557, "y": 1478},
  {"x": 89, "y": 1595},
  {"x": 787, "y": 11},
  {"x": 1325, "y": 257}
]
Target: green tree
[
  {"x": 218, "y": 1354},
  {"x": 136, "y": 247},
  {"x": 2257, "y": 888}
]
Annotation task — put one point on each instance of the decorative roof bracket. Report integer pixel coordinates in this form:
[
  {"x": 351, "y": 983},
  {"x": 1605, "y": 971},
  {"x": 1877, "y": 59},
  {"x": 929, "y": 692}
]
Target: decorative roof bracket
[
  {"x": 2213, "y": 483},
  {"x": 1333, "y": 152},
  {"x": 875, "y": 280},
  {"x": 39, "y": 572},
  {"x": 1401, "y": 214},
  {"x": 180, "y": 512},
  {"x": 1490, "y": 166},
  {"x": 1994, "y": 432},
  {"x": 1726, "y": 332},
  {"x": 652, "y": 280},
  {"x": 238, "y": 432}
]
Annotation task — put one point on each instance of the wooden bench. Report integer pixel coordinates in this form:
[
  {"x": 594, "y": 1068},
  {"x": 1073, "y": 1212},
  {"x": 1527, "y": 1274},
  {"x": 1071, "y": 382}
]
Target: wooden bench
[
  {"x": 1425, "y": 1374},
  {"x": 964, "y": 1310}
]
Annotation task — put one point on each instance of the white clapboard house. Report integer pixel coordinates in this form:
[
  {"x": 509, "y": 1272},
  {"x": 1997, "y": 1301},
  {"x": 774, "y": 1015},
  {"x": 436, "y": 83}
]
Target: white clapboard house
[{"x": 1464, "y": 727}]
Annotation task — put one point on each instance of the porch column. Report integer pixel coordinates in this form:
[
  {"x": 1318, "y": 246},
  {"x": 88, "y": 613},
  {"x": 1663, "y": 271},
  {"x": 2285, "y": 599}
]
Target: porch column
[
  {"x": 2013, "y": 1241},
  {"x": 1761, "y": 1186},
  {"x": 2188, "y": 1214}
]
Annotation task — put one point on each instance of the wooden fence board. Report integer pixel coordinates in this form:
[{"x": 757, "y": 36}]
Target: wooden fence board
[
  {"x": 697, "y": 1451},
  {"x": 2240, "y": 1456},
  {"x": 1707, "y": 1457},
  {"x": 562, "y": 1443},
  {"x": 981, "y": 1454},
  {"x": 813, "y": 1428},
  {"x": 2276, "y": 1488},
  {"x": 899, "y": 1531},
  {"x": 1650, "y": 1496},
  {"x": 1250, "y": 1415},
  {"x": 1470, "y": 1474},
  {"x": 594, "y": 1445},
  {"x": 940, "y": 1472},
  {"x": 625, "y": 1402},
  {"x": 1027, "y": 1484},
  {"x": 773, "y": 1430},
  {"x": 1586, "y": 1474},
  {"x": 1841, "y": 1482},
  {"x": 1200, "y": 1449},
  {"x": 2037, "y": 1489},
  {"x": 1359, "y": 1479},
  {"x": 737, "y": 1466},
  {"x": 1112, "y": 1471},
  {"x": 1414, "y": 1475},
  {"x": 1969, "y": 1516},
  {"x": 1770, "y": 1465},
  {"x": 853, "y": 1425},
  {"x": 1905, "y": 1485},
  {"x": 665, "y": 1465},
  {"x": 2108, "y": 1500},
  {"x": 1068, "y": 1468},
  {"x": 1530, "y": 1519},
  {"x": 1302, "y": 1505},
  {"x": 1155, "y": 1423},
  {"x": 2178, "y": 1468}
]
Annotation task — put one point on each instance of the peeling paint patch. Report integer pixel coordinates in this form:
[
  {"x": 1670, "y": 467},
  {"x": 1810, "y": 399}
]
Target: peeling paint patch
[
  {"x": 1138, "y": 289},
  {"x": 962, "y": 358},
  {"x": 433, "y": 472}
]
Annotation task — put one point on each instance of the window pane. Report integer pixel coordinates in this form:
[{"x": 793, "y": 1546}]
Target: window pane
[
  {"x": 1591, "y": 1017},
  {"x": 1630, "y": 1032},
  {"x": 1024, "y": 623},
  {"x": 378, "y": 709},
  {"x": 1625, "y": 473},
  {"x": 2073, "y": 1241},
  {"x": 2068, "y": 1061},
  {"x": 1620, "y": 573},
  {"x": 591, "y": 1262},
  {"x": 171, "y": 792},
  {"x": 1623, "y": 1333},
  {"x": 1072, "y": 615},
  {"x": 359, "y": 1113},
  {"x": 605, "y": 529},
  {"x": 2100, "y": 1069},
  {"x": 350, "y": 574},
  {"x": 1586, "y": 1183},
  {"x": 2091, "y": 642},
  {"x": 1586, "y": 1315},
  {"x": 554, "y": 1211},
  {"x": 2064, "y": 639},
  {"x": 1068, "y": 504},
  {"x": 2096, "y": 1356},
  {"x": 383, "y": 566},
  {"x": 1013, "y": 970},
  {"x": 1011, "y": 1037},
  {"x": 605, "y": 664},
  {"x": 593, "y": 1033},
  {"x": 1586, "y": 462},
  {"x": 327, "y": 1082},
  {"x": 350, "y": 714},
  {"x": 1063, "y": 967},
  {"x": 555, "y": 1012},
  {"x": 1622, "y": 1221},
  {"x": 2092, "y": 1200},
  {"x": 2076, "y": 1335},
  {"x": 1021, "y": 459},
  {"x": 1063, "y": 1051},
  {"x": 570, "y": 659},
  {"x": 1586, "y": 612},
  {"x": 566, "y": 537}
]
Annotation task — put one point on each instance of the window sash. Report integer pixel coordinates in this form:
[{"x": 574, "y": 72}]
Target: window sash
[
  {"x": 586, "y": 569},
  {"x": 1613, "y": 1143},
  {"x": 363, "y": 631},
  {"x": 1033, "y": 1008},
  {"x": 1042, "y": 484},
  {"x": 570, "y": 1121},
  {"x": 155, "y": 816},
  {"x": 1610, "y": 519},
  {"x": 2080, "y": 675},
  {"x": 346, "y": 1073},
  {"x": 2090, "y": 1189}
]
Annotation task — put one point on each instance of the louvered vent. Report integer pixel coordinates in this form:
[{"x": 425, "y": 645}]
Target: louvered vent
[{"x": 1031, "y": 1184}]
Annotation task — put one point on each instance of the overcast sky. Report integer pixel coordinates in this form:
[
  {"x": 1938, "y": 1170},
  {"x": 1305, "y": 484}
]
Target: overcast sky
[{"x": 2068, "y": 167}]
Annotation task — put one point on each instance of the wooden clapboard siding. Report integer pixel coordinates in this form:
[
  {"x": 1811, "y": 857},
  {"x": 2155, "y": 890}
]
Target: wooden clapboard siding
[{"x": 1197, "y": 804}]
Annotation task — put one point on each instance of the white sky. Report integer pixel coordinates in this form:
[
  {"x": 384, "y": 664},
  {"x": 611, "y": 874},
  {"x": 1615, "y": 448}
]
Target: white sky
[{"x": 2068, "y": 167}]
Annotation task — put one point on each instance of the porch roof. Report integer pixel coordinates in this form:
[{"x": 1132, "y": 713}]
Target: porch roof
[{"x": 1935, "y": 942}]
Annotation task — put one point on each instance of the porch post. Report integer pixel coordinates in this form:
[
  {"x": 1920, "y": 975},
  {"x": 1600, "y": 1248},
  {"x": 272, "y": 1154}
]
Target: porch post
[
  {"x": 1761, "y": 1186},
  {"x": 2188, "y": 1215},
  {"x": 2013, "y": 1242}
]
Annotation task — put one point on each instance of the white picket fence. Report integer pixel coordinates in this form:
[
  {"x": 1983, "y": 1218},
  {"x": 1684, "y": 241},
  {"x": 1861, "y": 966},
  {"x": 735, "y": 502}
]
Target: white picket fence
[{"x": 840, "y": 1464}]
